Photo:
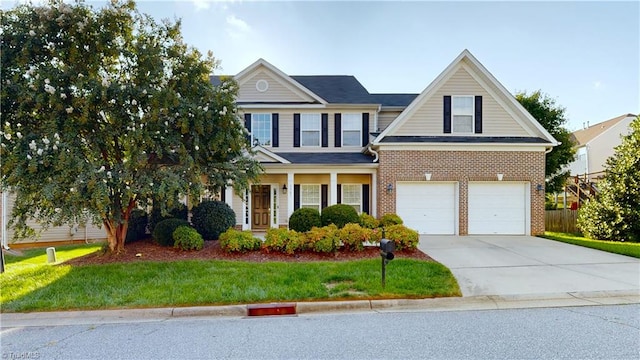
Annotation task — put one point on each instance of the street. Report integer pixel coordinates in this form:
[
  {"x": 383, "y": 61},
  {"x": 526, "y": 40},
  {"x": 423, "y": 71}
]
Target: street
[{"x": 589, "y": 332}]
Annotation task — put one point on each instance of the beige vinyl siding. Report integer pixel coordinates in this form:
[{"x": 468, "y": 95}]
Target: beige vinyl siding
[
  {"x": 55, "y": 233},
  {"x": 386, "y": 117},
  {"x": 237, "y": 205},
  {"x": 285, "y": 123},
  {"x": 602, "y": 146},
  {"x": 279, "y": 90},
  {"x": 427, "y": 120}
]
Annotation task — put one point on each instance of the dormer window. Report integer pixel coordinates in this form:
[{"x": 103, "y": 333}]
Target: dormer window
[{"x": 462, "y": 114}]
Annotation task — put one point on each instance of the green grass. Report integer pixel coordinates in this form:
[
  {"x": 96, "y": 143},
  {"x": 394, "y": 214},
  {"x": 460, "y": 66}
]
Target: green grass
[
  {"x": 616, "y": 247},
  {"x": 29, "y": 284}
]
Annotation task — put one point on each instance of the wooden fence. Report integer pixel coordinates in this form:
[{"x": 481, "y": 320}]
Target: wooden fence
[{"x": 561, "y": 221}]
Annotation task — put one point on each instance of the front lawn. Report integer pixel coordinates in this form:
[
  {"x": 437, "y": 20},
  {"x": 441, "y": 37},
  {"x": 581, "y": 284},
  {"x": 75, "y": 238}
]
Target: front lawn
[
  {"x": 616, "y": 247},
  {"x": 29, "y": 284}
]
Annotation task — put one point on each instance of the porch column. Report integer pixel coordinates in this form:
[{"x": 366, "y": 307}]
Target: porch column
[
  {"x": 228, "y": 195},
  {"x": 333, "y": 180},
  {"x": 290, "y": 194},
  {"x": 5, "y": 241}
]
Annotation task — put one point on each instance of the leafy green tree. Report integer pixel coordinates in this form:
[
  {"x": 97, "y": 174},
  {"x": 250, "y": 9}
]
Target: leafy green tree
[
  {"x": 615, "y": 213},
  {"x": 104, "y": 109},
  {"x": 552, "y": 118}
]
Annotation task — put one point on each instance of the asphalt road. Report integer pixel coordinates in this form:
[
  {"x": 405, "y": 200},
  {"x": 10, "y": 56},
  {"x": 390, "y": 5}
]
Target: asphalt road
[{"x": 590, "y": 332}]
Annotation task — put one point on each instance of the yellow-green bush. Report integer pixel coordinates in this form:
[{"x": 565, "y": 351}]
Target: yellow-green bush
[
  {"x": 324, "y": 239},
  {"x": 283, "y": 240},
  {"x": 234, "y": 240},
  {"x": 404, "y": 237}
]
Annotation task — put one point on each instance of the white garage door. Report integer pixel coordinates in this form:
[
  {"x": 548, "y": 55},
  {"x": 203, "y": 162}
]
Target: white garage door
[
  {"x": 429, "y": 208},
  {"x": 498, "y": 208}
]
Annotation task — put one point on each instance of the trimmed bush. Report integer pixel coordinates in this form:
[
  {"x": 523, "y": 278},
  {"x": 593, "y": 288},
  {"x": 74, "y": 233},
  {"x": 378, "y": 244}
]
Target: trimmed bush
[
  {"x": 303, "y": 219},
  {"x": 233, "y": 240},
  {"x": 211, "y": 218},
  {"x": 180, "y": 211},
  {"x": 368, "y": 221},
  {"x": 283, "y": 240},
  {"x": 163, "y": 233},
  {"x": 323, "y": 239},
  {"x": 137, "y": 229},
  {"x": 187, "y": 238},
  {"x": 353, "y": 236},
  {"x": 339, "y": 214},
  {"x": 390, "y": 219},
  {"x": 404, "y": 237}
]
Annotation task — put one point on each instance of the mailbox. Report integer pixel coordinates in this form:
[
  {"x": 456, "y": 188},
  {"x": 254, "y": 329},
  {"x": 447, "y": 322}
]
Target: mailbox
[{"x": 387, "y": 247}]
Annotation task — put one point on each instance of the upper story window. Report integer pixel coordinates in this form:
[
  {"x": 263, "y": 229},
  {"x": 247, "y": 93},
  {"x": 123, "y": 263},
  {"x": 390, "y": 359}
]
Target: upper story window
[
  {"x": 462, "y": 114},
  {"x": 310, "y": 129},
  {"x": 351, "y": 129},
  {"x": 261, "y": 129}
]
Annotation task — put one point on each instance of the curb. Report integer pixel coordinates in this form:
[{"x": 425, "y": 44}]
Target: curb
[{"x": 492, "y": 302}]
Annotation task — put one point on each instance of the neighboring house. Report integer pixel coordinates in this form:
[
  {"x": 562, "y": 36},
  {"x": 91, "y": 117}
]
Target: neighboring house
[
  {"x": 463, "y": 157},
  {"x": 595, "y": 143}
]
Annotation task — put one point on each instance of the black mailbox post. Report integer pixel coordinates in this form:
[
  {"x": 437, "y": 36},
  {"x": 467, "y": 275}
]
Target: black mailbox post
[{"x": 387, "y": 247}]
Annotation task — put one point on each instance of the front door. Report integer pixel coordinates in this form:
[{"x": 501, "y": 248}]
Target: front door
[{"x": 260, "y": 210}]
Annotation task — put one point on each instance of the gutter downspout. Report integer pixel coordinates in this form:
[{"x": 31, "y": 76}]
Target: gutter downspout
[{"x": 375, "y": 153}]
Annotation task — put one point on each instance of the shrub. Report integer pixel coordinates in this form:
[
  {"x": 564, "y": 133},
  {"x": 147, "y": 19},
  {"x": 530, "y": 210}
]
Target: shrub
[
  {"x": 368, "y": 221},
  {"x": 303, "y": 219},
  {"x": 163, "y": 233},
  {"x": 323, "y": 239},
  {"x": 137, "y": 229},
  {"x": 339, "y": 214},
  {"x": 404, "y": 237},
  {"x": 390, "y": 219},
  {"x": 179, "y": 211},
  {"x": 187, "y": 238},
  {"x": 212, "y": 218},
  {"x": 233, "y": 240},
  {"x": 353, "y": 236},
  {"x": 283, "y": 240}
]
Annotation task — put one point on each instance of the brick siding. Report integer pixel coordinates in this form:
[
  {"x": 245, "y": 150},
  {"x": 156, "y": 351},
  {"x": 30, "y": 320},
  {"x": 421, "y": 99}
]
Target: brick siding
[{"x": 462, "y": 167}]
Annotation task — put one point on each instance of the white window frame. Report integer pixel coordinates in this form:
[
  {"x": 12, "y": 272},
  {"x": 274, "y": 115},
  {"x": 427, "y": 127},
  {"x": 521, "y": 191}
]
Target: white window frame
[
  {"x": 254, "y": 120},
  {"x": 357, "y": 206},
  {"x": 307, "y": 125},
  {"x": 458, "y": 112},
  {"x": 304, "y": 202},
  {"x": 358, "y": 127}
]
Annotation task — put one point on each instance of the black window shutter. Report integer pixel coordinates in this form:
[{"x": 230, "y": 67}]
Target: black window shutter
[
  {"x": 296, "y": 130},
  {"x": 223, "y": 194},
  {"x": 478, "y": 127},
  {"x": 365, "y": 129},
  {"x": 325, "y": 130},
  {"x": 339, "y": 193},
  {"x": 324, "y": 195},
  {"x": 447, "y": 114},
  {"x": 338, "y": 123},
  {"x": 296, "y": 196},
  {"x": 365, "y": 198},
  {"x": 275, "y": 133},
  {"x": 247, "y": 124}
]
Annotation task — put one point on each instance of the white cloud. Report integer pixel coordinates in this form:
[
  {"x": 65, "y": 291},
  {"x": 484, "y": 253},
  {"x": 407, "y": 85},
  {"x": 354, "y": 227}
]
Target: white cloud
[
  {"x": 237, "y": 27},
  {"x": 201, "y": 4},
  {"x": 597, "y": 85}
]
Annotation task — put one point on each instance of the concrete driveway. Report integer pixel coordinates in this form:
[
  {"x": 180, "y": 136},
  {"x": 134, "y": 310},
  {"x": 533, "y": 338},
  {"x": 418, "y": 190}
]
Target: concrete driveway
[{"x": 520, "y": 265}]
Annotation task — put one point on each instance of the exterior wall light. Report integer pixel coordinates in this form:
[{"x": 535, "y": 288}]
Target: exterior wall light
[
  {"x": 390, "y": 188},
  {"x": 500, "y": 177},
  {"x": 284, "y": 189},
  {"x": 427, "y": 176}
]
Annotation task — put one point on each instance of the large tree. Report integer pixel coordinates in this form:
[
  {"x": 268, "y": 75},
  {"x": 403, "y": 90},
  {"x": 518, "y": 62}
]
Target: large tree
[
  {"x": 615, "y": 213},
  {"x": 105, "y": 109},
  {"x": 552, "y": 118}
]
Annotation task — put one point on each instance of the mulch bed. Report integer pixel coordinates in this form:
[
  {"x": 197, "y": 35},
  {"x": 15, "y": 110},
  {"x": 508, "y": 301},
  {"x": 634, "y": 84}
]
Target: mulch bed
[{"x": 147, "y": 250}]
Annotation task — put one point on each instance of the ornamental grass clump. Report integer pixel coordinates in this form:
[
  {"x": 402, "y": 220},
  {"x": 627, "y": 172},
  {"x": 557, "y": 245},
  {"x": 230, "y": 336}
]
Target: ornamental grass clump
[
  {"x": 234, "y": 240},
  {"x": 187, "y": 238}
]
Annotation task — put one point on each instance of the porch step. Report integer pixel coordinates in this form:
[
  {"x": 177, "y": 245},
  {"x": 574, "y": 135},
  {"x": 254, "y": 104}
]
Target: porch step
[{"x": 271, "y": 309}]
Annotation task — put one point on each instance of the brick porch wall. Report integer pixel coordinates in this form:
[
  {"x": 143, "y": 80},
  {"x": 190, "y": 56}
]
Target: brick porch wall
[{"x": 463, "y": 167}]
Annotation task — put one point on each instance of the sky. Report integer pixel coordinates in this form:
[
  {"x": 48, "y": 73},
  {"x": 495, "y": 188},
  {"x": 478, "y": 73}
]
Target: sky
[{"x": 585, "y": 55}]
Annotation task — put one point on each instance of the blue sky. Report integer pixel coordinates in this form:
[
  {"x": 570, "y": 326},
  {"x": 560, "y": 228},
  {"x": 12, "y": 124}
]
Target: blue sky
[{"x": 586, "y": 55}]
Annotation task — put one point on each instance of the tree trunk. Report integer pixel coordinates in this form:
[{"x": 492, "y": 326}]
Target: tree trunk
[{"x": 116, "y": 233}]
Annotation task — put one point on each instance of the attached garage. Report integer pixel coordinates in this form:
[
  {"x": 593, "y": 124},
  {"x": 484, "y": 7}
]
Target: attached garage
[
  {"x": 428, "y": 207},
  {"x": 498, "y": 208}
]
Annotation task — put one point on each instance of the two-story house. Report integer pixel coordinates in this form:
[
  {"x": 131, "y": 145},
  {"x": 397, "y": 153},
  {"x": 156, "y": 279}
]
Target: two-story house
[{"x": 462, "y": 157}]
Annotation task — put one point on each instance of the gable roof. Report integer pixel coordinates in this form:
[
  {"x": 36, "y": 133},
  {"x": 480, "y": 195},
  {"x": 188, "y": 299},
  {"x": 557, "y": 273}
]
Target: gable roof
[
  {"x": 337, "y": 89},
  {"x": 478, "y": 71},
  {"x": 401, "y": 100},
  {"x": 583, "y": 136}
]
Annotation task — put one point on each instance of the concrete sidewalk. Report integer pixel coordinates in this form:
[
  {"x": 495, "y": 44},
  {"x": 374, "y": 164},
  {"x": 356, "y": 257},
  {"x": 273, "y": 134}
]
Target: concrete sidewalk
[
  {"x": 522, "y": 265},
  {"x": 61, "y": 318}
]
